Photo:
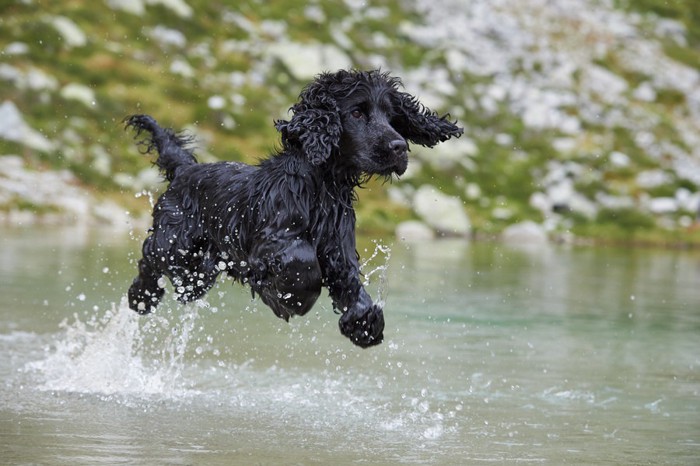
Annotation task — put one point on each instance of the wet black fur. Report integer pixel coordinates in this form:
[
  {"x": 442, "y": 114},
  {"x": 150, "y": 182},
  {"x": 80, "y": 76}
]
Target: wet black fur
[{"x": 286, "y": 227}]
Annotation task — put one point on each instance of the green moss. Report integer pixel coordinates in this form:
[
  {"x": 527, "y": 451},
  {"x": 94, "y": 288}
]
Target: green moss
[
  {"x": 130, "y": 73},
  {"x": 685, "y": 11},
  {"x": 612, "y": 62},
  {"x": 28, "y": 206},
  {"x": 626, "y": 219},
  {"x": 670, "y": 97},
  {"x": 687, "y": 55}
]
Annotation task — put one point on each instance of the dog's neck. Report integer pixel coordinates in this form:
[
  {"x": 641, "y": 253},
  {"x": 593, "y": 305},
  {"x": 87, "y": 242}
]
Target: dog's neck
[{"x": 338, "y": 176}]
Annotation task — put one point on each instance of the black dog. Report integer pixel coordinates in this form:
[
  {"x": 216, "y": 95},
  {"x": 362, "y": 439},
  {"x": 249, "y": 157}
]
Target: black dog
[{"x": 286, "y": 226}]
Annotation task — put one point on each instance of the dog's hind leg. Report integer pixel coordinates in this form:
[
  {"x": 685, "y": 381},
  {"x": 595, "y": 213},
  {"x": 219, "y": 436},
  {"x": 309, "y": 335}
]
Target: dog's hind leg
[
  {"x": 146, "y": 290},
  {"x": 197, "y": 272}
]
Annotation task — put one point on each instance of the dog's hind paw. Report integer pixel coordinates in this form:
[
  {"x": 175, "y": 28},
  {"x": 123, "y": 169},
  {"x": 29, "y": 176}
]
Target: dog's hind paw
[
  {"x": 364, "y": 328},
  {"x": 144, "y": 301}
]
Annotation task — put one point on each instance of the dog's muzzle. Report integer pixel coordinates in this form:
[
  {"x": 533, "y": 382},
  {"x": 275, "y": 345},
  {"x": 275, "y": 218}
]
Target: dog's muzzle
[{"x": 399, "y": 152}]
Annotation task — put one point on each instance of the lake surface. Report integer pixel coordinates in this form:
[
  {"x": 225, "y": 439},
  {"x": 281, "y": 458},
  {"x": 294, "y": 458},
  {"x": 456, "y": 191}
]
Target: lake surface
[{"x": 492, "y": 354}]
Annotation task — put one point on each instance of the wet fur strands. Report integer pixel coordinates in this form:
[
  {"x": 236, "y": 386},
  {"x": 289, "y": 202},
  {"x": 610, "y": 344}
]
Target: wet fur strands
[{"x": 285, "y": 227}]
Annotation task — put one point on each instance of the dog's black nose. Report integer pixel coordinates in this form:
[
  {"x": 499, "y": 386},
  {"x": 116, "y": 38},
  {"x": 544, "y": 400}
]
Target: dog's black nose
[{"x": 398, "y": 146}]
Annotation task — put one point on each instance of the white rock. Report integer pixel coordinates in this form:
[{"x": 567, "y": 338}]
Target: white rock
[
  {"x": 216, "y": 102},
  {"x": 662, "y": 205},
  {"x": 448, "y": 154},
  {"x": 413, "y": 230},
  {"x": 304, "y": 61},
  {"x": 342, "y": 39},
  {"x": 645, "y": 92},
  {"x": 80, "y": 93},
  {"x": 472, "y": 191},
  {"x": 456, "y": 60},
  {"x": 273, "y": 29},
  {"x": 37, "y": 80},
  {"x": 17, "y": 48},
  {"x": 10, "y": 73},
  {"x": 315, "y": 13},
  {"x": 504, "y": 139},
  {"x": 135, "y": 7},
  {"x": 561, "y": 192},
  {"x": 541, "y": 202},
  {"x": 582, "y": 205},
  {"x": 181, "y": 67},
  {"x": 608, "y": 201},
  {"x": 43, "y": 188},
  {"x": 110, "y": 213},
  {"x": 72, "y": 35},
  {"x": 604, "y": 83},
  {"x": 525, "y": 232},
  {"x": 564, "y": 145},
  {"x": 672, "y": 29},
  {"x": 442, "y": 212},
  {"x": 31, "y": 78},
  {"x": 168, "y": 37},
  {"x": 687, "y": 200},
  {"x": 14, "y": 128},
  {"x": 399, "y": 196},
  {"x": 101, "y": 160},
  {"x": 653, "y": 178},
  {"x": 501, "y": 213},
  {"x": 619, "y": 159}
]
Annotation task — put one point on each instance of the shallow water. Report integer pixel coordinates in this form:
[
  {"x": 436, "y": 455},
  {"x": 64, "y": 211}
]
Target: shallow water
[{"x": 493, "y": 354}]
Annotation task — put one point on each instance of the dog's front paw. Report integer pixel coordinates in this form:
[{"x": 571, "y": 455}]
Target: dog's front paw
[{"x": 363, "y": 327}]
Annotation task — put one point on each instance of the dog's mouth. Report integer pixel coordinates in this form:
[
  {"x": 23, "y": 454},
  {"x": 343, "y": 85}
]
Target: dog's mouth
[
  {"x": 401, "y": 165},
  {"x": 396, "y": 167},
  {"x": 393, "y": 161},
  {"x": 383, "y": 161}
]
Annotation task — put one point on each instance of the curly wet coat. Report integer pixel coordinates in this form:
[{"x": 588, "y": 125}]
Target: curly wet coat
[{"x": 285, "y": 227}]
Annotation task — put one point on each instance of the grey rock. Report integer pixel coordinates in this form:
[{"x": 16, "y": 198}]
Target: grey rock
[
  {"x": 413, "y": 230},
  {"x": 525, "y": 232},
  {"x": 14, "y": 128},
  {"x": 443, "y": 213}
]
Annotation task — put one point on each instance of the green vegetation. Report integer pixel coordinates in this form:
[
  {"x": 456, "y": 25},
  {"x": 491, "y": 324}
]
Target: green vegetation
[{"x": 172, "y": 66}]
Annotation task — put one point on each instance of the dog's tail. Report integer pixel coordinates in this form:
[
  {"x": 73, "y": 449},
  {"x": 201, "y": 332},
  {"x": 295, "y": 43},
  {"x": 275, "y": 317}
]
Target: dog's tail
[{"x": 173, "y": 151}]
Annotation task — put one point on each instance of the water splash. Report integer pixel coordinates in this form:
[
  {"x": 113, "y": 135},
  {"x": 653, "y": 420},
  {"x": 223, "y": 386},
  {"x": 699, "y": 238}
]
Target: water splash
[
  {"x": 381, "y": 251},
  {"x": 149, "y": 195},
  {"x": 119, "y": 353}
]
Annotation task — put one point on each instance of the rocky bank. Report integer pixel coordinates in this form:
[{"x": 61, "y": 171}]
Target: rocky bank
[{"x": 581, "y": 116}]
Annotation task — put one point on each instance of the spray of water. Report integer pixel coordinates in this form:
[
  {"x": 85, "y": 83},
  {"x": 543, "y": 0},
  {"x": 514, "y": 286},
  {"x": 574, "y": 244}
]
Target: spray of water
[
  {"x": 370, "y": 269},
  {"x": 118, "y": 353},
  {"x": 120, "y": 356}
]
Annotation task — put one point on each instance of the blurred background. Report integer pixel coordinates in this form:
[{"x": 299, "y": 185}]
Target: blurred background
[{"x": 582, "y": 118}]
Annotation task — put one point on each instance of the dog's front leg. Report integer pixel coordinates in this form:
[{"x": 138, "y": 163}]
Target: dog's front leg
[{"x": 362, "y": 321}]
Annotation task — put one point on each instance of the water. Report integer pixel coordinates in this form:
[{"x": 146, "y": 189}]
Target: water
[{"x": 493, "y": 354}]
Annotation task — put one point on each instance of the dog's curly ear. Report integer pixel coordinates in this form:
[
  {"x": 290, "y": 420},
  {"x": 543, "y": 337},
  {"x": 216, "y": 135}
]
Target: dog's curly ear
[
  {"x": 315, "y": 125},
  {"x": 421, "y": 125}
]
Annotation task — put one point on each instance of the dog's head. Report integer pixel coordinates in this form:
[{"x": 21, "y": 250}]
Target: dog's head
[{"x": 364, "y": 121}]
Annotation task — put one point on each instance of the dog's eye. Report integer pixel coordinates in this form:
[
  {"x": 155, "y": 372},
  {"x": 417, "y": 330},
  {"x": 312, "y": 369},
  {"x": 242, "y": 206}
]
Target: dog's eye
[{"x": 356, "y": 114}]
